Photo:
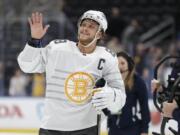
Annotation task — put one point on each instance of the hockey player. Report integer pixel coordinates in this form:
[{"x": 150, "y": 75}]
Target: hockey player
[{"x": 71, "y": 72}]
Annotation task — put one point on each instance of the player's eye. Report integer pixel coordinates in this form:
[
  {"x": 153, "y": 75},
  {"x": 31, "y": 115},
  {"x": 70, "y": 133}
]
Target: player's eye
[
  {"x": 91, "y": 26},
  {"x": 122, "y": 63}
]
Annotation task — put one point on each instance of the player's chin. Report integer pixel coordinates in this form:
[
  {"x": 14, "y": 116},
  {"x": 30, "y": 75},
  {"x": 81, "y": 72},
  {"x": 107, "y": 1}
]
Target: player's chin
[
  {"x": 84, "y": 40},
  {"x": 84, "y": 43}
]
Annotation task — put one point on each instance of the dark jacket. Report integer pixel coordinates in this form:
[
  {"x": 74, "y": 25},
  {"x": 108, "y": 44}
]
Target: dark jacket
[
  {"x": 176, "y": 116},
  {"x": 130, "y": 115}
]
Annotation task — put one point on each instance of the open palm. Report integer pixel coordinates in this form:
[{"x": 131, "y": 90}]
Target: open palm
[{"x": 36, "y": 25}]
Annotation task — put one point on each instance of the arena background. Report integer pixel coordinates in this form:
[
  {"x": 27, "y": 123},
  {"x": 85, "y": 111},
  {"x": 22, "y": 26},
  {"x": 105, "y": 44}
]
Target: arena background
[{"x": 147, "y": 29}]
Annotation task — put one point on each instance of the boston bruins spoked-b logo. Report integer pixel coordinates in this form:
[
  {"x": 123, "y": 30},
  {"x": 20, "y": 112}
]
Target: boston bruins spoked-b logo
[{"x": 78, "y": 87}]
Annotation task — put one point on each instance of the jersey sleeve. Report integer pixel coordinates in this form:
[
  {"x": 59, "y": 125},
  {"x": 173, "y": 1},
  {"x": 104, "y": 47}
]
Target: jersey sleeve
[
  {"x": 33, "y": 60},
  {"x": 114, "y": 81}
]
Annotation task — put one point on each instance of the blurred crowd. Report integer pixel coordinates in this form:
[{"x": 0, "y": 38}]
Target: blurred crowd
[{"x": 122, "y": 34}]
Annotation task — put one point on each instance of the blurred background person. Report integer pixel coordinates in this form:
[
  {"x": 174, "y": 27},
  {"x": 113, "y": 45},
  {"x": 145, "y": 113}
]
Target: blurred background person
[
  {"x": 131, "y": 35},
  {"x": 115, "y": 45},
  {"x": 117, "y": 23},
  {"x": 18, "y": 84},
  {"x": 134, "y": 116},
  {"x": 170, "y": 109}
]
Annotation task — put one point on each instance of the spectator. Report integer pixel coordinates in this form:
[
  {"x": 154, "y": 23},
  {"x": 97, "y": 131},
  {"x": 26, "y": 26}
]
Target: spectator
[
  {"x": 170, "y": 110},
  {"x": 131, "y": 120},
  {"x": 140, "y": 58},
  {"x": 117, "y": 24},
  {"x": 115, "y": 45},
  {"x": 147, "y": 78},
  {"x": 18, "y": 84},
  {"x": 131, "y": 35}
]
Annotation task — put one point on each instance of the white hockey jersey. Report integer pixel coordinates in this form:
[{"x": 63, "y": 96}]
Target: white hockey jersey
[{"x": 69, "y": 76}]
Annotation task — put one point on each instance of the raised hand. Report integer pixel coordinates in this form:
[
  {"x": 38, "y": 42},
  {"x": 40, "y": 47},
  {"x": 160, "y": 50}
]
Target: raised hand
[{"x": 36, "y": 25}]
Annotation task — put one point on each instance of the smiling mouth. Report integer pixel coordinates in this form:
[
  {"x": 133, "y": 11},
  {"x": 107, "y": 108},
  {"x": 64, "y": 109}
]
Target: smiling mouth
[{"x": 85, "y": 34}]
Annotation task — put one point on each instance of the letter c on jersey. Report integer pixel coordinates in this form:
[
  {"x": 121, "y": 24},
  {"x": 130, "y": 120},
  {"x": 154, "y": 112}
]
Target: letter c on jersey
[{"x": 101, "y": 61}]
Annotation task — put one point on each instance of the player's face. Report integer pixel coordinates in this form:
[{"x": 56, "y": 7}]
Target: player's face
[
  {"x": 87, "y": 31},
  {"x": 123, "y": 65}
]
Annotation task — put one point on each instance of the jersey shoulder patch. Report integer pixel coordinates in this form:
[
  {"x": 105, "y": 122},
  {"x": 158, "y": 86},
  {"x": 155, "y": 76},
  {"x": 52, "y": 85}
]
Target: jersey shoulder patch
[
  {"x": 107, "y": 54},
  {"x": 113, "y": 54}
]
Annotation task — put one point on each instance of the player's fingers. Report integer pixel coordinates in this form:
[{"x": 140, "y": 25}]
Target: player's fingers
[
  {"x": 99, "y": 104},
  {"x": 46, "y": 28},
  {"x": 99, "y": 100},
  {"x": 100, "y": 107},
  {"x": 40, "y": 18},
  {"x": 33, "y": 18},
  {"x": 37, "y": 17},
  {"x": 98, "y": 95},
  {"x": 30, "y": 21},
  {"x": 94, "y": 91}
]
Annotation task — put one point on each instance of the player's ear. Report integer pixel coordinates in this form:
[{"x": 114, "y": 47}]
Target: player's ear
[{"x": 99, "y": 34}]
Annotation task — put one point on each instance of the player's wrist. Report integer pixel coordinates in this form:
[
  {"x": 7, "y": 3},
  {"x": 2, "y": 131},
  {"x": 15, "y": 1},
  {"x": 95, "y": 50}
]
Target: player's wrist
[{"x": 35, "y": 42}]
